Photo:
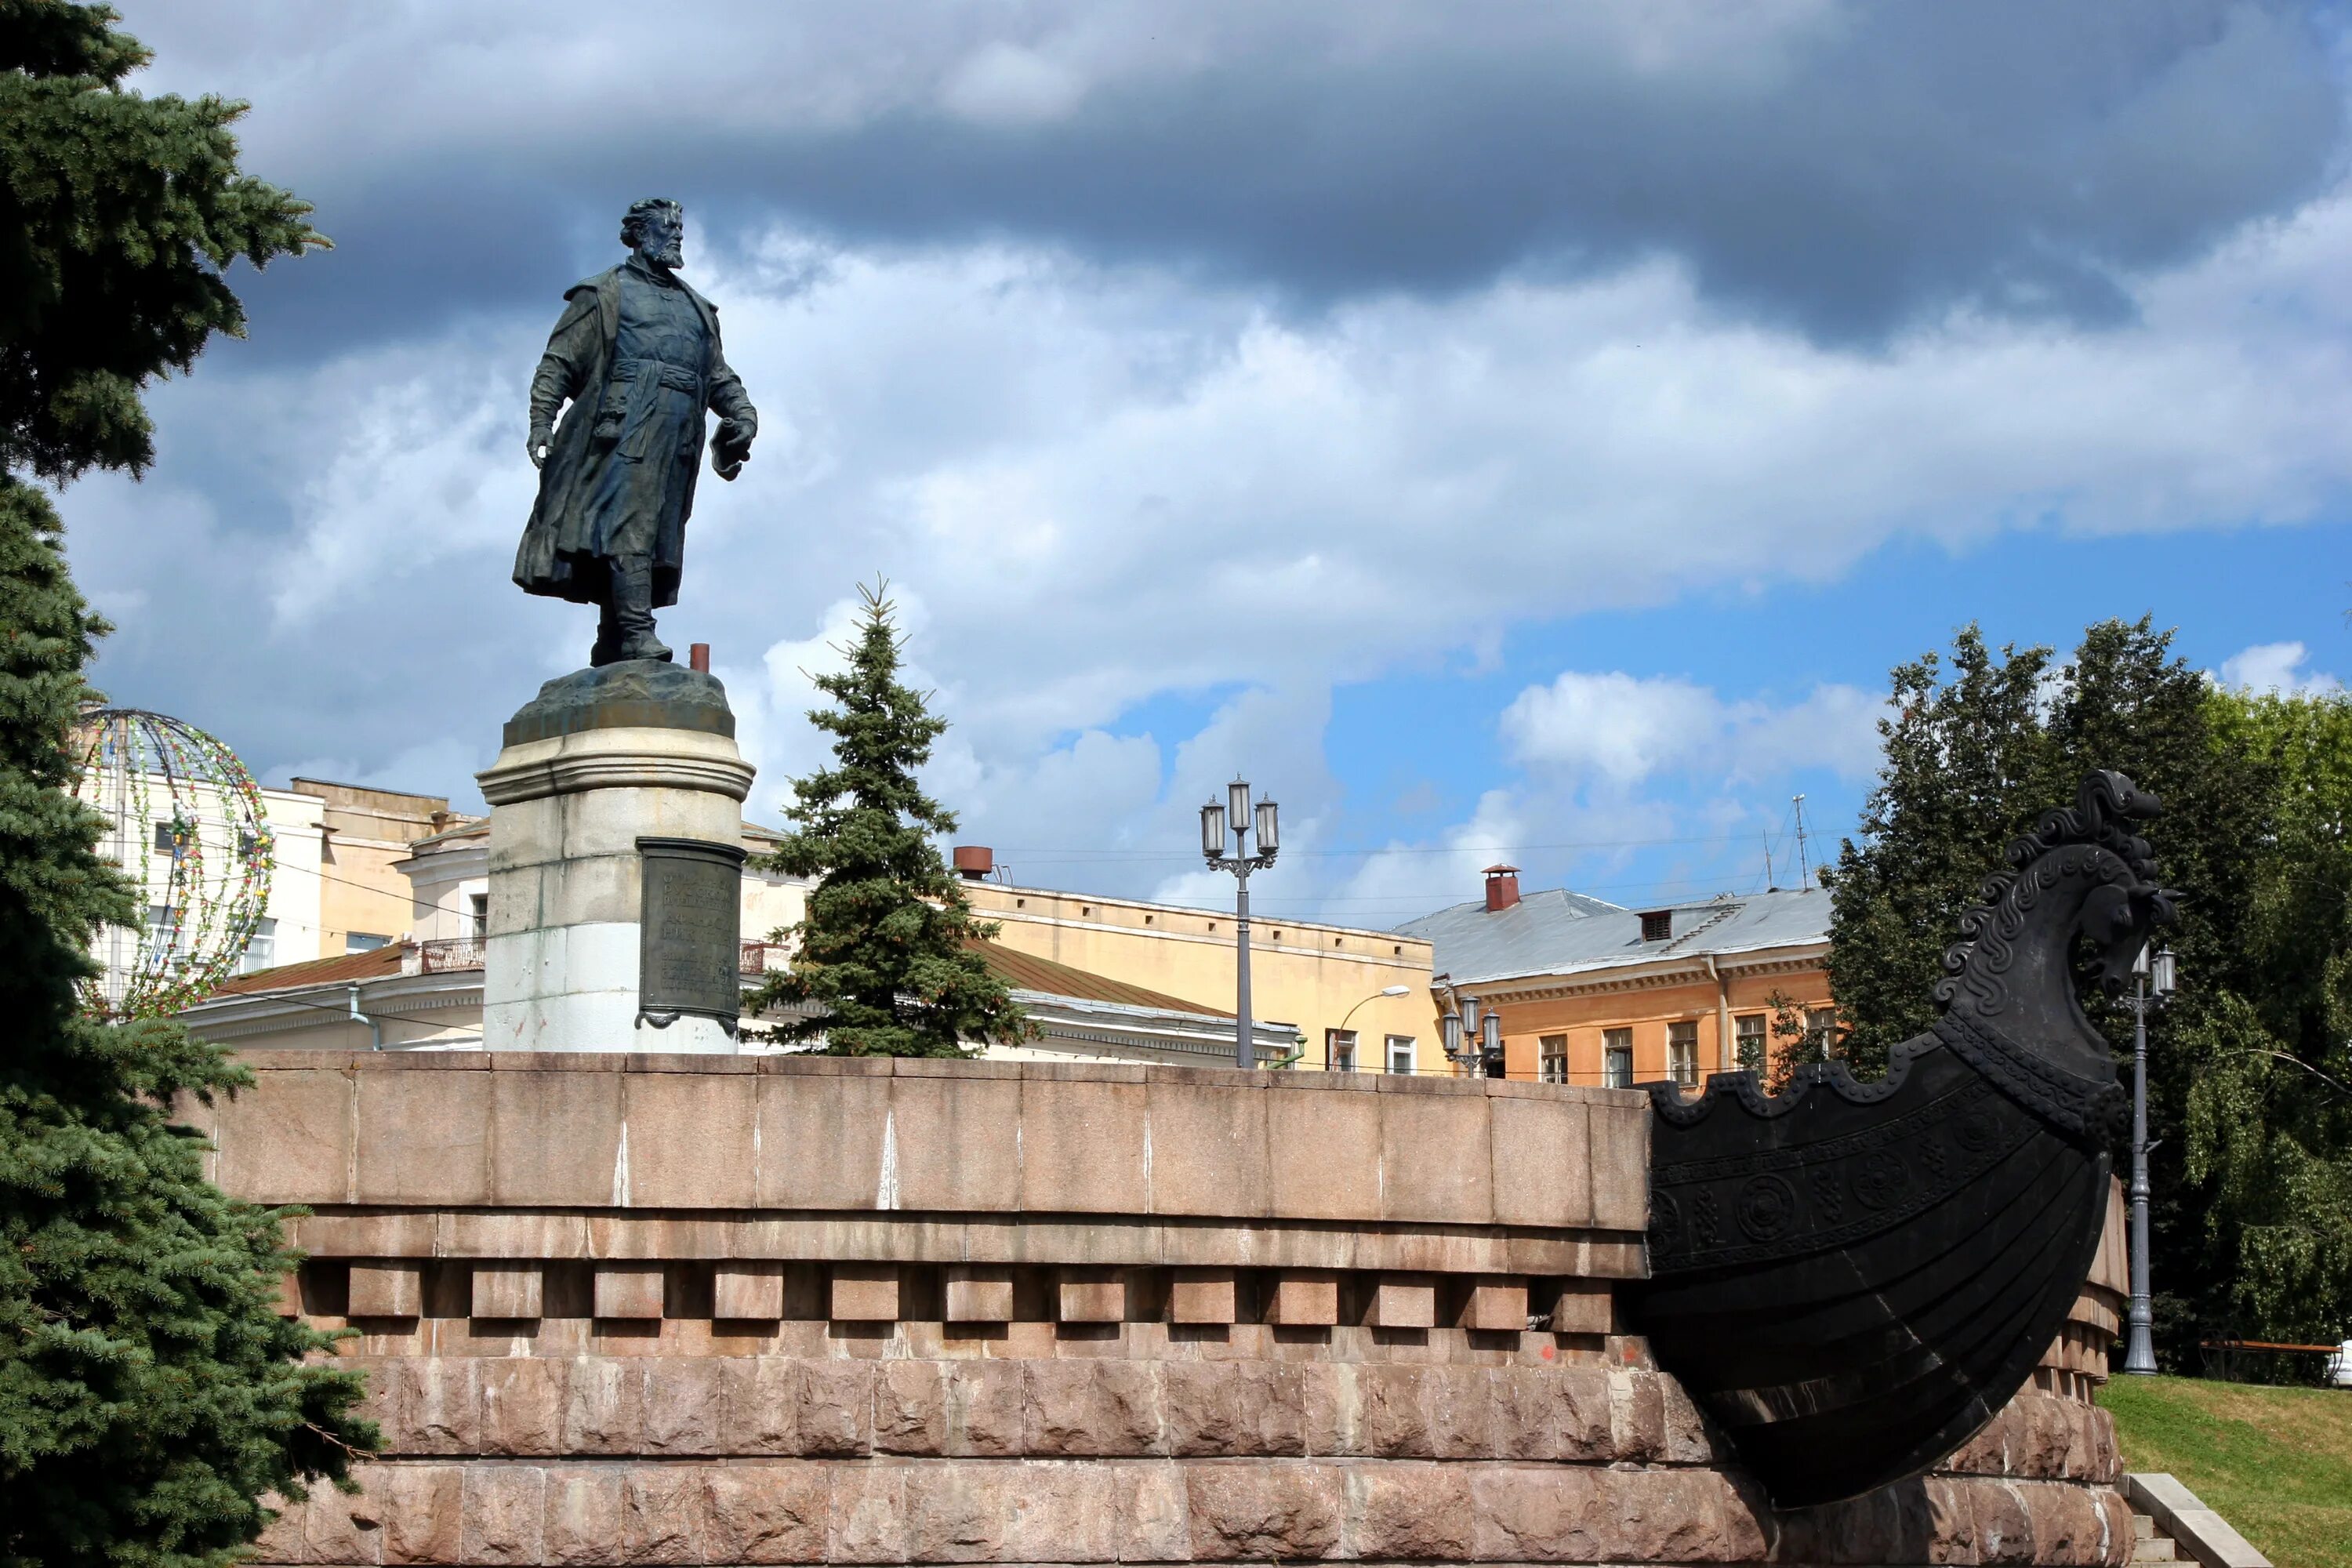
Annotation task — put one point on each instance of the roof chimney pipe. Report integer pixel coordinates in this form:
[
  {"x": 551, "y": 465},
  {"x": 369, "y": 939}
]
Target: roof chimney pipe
[
  {"x": 973, "y": 862},
  {"x": 1502, "y": 888}
]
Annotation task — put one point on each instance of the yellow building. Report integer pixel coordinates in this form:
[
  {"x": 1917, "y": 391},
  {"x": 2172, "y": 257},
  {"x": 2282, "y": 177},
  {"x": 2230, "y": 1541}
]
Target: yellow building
[
  {"x": 1106, "y": 979},
  {"x": 1356, "y": 998},
  {"x": 363, "y": 900},
  {"x": 1592, "y": 993}
]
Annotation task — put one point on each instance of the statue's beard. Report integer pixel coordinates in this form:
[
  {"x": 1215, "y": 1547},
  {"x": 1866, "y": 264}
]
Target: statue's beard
[{"x": 670, "y": 254}]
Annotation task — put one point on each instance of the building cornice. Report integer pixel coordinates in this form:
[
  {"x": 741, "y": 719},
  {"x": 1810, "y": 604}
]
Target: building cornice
[
  {"x": 1404, "y": 960},
  {"x": 1144, "y": 907},
  {"x": 1652, "y": 975},
  {"x": 305, "y": 1007}
]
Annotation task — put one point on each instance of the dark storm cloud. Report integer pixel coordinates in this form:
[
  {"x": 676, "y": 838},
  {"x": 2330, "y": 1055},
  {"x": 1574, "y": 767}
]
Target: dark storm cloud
[{"x": 1846, "y": 173}]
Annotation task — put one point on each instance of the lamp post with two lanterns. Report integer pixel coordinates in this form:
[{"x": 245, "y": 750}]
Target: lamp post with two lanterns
[
  {"x": 1474, "y": 1038},
  {"x": 2152, "y": 985},
  {"x": 1218, "y": 835}
]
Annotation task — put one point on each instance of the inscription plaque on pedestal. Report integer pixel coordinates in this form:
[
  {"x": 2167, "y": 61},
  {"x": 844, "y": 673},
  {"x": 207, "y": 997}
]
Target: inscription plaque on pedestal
[{"x": 689, "y": 933}]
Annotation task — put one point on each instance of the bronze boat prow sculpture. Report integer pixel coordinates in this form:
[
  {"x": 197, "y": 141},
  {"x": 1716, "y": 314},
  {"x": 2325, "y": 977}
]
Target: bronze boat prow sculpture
[{"x": 1852, "y": 1278}]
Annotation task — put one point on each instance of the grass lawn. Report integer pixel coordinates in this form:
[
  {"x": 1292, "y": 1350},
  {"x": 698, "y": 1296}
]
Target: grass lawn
[{"x": 2275, "y": 1462}]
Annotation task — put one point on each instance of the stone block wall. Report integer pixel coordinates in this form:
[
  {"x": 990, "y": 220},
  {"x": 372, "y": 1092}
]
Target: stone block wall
[{"x": 637, "y": 1309}]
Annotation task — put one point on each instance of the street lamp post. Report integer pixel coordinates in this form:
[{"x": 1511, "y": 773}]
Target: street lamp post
[
  {"x": 2152, "y": 985},
  {"x": 1472, "y": 1035},
  {"x": 1214, "y": 841},
  {"x": 1386, "y": 991}
]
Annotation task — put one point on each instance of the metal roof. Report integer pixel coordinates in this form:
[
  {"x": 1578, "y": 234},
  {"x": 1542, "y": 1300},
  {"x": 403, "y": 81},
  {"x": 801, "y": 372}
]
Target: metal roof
[
  {"x": 1025, "y": 971},
  {"x": 1561, "y": 932},
  {"x": 340, "y": 969}
]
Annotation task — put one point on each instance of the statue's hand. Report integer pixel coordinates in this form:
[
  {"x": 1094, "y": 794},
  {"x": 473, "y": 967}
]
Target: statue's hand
[
  {"x": 731, "y": 447},
  {"x": 538, "y": 443}
]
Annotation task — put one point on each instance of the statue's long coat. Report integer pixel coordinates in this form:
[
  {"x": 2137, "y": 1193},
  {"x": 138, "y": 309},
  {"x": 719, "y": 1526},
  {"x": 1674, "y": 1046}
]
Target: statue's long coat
[{"x": 556, "y": 557}]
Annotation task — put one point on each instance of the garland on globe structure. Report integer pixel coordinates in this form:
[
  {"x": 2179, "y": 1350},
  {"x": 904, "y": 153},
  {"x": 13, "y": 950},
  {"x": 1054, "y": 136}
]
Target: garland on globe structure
[{"x": 207, "y": 901}]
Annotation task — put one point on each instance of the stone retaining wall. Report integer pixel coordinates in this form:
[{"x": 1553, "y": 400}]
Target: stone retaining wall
[{"x": 685, "y": 1310}]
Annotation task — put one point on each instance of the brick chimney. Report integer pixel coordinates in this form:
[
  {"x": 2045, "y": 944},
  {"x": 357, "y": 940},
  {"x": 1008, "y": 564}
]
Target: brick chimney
[{"x": 1502, "y": 888}]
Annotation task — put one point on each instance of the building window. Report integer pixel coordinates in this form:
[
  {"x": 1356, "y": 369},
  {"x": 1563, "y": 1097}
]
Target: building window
[
  {"x": 1682, "y": 1051},
  {"x": 1399, "y": 1053},
  {"x": 166, "y": 841},
  {"x": 260, "y": 948},
  {"x": 481, "y": 915},
  {"x": 1820, "y": 1027},
  {"x": 1340, "y": 1049},
  {"x": 1657, "y": 925},
  {"x": 362, "y": 941},
  {"x": 1617, "y": 1058},
  {"x": 162, "y": 928},
  {"x": 1551, "y": 1058},
  {"x": 1748, "y": 1032}
]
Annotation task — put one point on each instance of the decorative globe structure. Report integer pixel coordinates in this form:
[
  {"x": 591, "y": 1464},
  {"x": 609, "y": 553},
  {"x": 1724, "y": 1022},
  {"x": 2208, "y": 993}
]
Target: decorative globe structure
[{"x": 184, "y": 821}]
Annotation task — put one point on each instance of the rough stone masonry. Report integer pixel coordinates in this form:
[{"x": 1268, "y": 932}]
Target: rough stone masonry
[{"x": 700, "y": 1309}]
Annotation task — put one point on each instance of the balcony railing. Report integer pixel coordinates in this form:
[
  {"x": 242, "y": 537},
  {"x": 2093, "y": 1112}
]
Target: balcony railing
[{"x": 444, "y": 953}]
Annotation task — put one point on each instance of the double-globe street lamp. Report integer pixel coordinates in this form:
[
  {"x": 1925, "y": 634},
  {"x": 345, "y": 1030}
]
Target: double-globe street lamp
[
  {"x": 1474, "y": 1038},
  {"x": 1217, "y": 836},
  {"x": 2153, "y": 979}
]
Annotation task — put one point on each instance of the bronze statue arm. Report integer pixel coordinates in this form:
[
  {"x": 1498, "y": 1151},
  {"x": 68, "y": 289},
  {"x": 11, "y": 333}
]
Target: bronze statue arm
[
  {"x": 571, "y": 349},
  {"x": 738, "y": 422}
]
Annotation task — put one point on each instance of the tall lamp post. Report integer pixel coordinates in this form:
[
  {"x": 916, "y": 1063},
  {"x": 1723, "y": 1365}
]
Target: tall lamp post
[
  {"x": 1217, "y": 834},
  {"x": 2152, "y": 986}
]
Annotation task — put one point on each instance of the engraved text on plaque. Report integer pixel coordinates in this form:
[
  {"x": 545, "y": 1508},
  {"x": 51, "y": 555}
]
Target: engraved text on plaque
[{"x": 689, "y": 940}]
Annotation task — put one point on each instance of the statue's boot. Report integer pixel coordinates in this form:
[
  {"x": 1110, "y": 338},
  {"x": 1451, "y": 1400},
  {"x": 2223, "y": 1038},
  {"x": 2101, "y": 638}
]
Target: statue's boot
[
  {"x": 632, "y": 610},
  {"x": 608, "y": 638}
]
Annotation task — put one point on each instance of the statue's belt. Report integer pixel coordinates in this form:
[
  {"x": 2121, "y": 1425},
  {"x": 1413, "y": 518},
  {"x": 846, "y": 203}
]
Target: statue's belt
[
  {"x": 2085, "y": 1108},
  {"x": 676, "y": 377}
]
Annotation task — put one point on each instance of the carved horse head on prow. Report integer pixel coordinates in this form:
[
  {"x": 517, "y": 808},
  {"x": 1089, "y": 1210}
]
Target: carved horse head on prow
[
  {"x": 2083, "y": 873},
  {"x": 2117, "y": 919}
]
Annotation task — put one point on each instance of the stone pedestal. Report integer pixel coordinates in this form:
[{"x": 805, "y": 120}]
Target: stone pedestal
[{"x": 607, "y": 772}]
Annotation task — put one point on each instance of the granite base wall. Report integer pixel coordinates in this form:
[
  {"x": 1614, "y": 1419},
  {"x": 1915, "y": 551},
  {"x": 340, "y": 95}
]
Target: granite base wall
[{"x": 1423, "y": 1369}]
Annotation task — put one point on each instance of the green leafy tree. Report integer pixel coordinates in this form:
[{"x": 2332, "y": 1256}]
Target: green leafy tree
[
  {"x": 885, "y": 953},
  {"x": 2260, "y": 1068},
  {"x": 1964, "y": 753},
  {"x": 1970, "y": 759},
  {"x": 150, "y": 1394},
  {"x": 1794, "y": 1044}
]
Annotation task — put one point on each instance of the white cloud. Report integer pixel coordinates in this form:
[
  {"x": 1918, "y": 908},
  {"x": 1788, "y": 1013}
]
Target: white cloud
[
  {"x": 409, "y": 478},
  {"x": 1621, "y": 731},
  {"x": 1005, "y": 84},
  {"x": 2279, "y": 667},
  {"x": 1103, "y": 486}
]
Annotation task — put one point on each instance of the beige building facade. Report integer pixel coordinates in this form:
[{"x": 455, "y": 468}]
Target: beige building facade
[
  {"x": 1107, "y": 979},
  {"x": 1355, "y": 998},
  {"x": 363, "y": 899}
]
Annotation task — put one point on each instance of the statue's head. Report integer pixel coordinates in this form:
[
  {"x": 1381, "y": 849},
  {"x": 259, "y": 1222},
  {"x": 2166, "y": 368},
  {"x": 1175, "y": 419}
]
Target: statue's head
[{"x": 655, "y": 230}]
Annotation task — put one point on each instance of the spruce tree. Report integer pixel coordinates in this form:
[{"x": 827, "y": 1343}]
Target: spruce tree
[
  {"x": 149, "y": 1392},
  {"x": 885, "y": 953}
]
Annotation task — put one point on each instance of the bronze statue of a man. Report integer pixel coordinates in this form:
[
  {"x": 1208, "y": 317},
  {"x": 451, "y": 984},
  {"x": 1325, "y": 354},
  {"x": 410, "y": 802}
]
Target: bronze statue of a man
[{"x": 636, "y": 355}]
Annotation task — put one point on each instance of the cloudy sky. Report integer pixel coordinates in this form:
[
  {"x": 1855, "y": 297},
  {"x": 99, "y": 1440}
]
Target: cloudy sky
[{"x": 1518, "y": 431}]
